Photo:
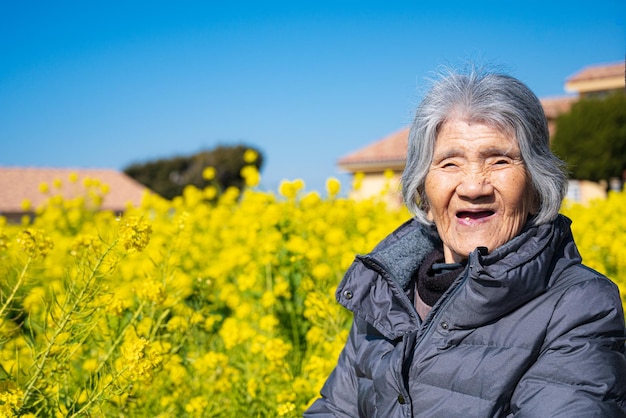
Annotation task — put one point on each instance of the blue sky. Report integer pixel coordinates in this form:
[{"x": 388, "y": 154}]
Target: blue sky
[{"x": 108, "y": 84}]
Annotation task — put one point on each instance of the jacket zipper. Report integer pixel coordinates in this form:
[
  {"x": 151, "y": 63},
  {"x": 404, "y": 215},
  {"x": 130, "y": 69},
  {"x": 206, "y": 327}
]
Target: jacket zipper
[{"x": 436, "y": 312}]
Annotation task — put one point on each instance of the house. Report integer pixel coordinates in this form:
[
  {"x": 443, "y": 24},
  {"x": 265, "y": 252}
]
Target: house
[
  {"x": 389, "y": 153},
  {"x": 373, "y": 160},
  {"x": 597, "y": 80},
  {"x": 23, "y": 189}
]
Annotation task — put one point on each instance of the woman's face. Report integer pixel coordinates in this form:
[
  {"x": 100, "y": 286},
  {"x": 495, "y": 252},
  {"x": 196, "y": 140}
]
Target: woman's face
[{"x": 477, "y": 188}]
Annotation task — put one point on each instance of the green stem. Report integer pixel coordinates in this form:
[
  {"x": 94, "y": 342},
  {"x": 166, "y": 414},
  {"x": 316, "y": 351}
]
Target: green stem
[
  {"x": 18, "y": 284},
  {"x": 120, "y": 337},
  {"x": 117, "y": 342},
  {"x": 94, "y": 397},
  {"x": 64, "y": 320}
]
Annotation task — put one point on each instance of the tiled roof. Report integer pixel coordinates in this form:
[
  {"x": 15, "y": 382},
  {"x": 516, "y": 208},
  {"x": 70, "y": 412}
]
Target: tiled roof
[
  {"x": 389, "y": 152},
  {"x": 598, "y": 78},
  {"x": 23, "y": 183},
  {"x": 593, "y": 72}
]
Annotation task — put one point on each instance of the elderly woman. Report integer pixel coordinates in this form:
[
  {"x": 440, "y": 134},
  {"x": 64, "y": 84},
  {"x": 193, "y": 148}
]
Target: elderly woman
[{"x": 479, "y": 306}]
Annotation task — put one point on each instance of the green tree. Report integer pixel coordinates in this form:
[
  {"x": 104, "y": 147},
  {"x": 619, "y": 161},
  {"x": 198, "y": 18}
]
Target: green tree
[
  {"x": 591, "y": 138},
  {"x": 168, "y": 177}
]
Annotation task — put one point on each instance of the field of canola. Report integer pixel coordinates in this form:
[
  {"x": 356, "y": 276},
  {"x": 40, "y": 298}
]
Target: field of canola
[{"x": 198, "y": 307}]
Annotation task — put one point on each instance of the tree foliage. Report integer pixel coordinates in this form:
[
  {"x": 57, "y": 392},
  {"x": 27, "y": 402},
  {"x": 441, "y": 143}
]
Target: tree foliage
[
  {"x": 168, "y": 177},
  {"x": 591, "y": 138}
]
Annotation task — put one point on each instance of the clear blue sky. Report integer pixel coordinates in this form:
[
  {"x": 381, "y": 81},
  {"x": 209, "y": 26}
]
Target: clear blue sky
[{"x": 107, "y": 84}]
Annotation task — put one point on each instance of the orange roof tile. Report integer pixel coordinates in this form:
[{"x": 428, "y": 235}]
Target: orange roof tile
[
  {"x": 389, "y": 152},
  {"x": 599, "y": 71},
  {"x": 22, "y": 183}
]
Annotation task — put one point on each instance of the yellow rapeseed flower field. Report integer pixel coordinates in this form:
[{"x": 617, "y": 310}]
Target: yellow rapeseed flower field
[{"x": 199, "y": 307}]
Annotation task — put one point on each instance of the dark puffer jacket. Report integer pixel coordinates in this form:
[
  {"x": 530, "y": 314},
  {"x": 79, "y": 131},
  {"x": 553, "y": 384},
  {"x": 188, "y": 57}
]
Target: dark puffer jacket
[{"x": 526, "y": 331}]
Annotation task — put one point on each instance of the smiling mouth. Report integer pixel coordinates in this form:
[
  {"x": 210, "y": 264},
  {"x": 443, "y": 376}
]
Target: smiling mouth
[{"x": 474, "y": 215}]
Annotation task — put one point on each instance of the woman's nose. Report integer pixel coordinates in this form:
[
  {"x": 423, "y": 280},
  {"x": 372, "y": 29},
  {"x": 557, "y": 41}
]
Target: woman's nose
[{"x": 474, "y": 184}]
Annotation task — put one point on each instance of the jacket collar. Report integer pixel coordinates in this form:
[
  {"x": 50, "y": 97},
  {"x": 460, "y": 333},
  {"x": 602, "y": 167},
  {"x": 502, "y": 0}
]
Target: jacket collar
[
  {"x": 496, "y": 283},
  {"x": 375, "y": 287},
  {"x": 513, "y": 274}
]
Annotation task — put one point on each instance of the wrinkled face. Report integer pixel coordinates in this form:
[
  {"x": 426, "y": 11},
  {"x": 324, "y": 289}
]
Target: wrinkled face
[{"x": 477, "y": 188}]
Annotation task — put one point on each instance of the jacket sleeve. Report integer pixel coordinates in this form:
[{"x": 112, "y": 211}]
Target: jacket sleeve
[
  {"x": 581, "y": 370},
  {"x": 339, "y": 395}
]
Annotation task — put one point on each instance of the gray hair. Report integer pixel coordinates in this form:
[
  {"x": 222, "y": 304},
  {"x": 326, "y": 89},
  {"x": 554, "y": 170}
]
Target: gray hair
[{"x": 497, "y": 100}]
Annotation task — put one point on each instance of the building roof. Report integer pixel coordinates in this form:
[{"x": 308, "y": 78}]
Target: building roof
[
  {"x": 18, "y": 184},
  {"x": 597, "y": 78},
  {"x": 388, "y": 152}
]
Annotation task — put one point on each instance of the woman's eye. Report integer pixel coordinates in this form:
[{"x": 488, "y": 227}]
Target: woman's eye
[{"x": 502, "y": 161}]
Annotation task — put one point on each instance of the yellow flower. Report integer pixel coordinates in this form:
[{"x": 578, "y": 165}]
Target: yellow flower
[
  {"x": 285, "y": 408},
  {"x": 27, "y": 205},
  {"x": 311, "y": 200},
  {"x": 251, "y": 387},
  {"x": 286, "y": 396},
  {"x": 210, "y": 192},
  {"x": 35, "y": 242},
  {"x": 281, "y": 288},
  {"x": 357, "y": 180},
  {"x": 250, "y": 175},
  {"x": 7, "y": 328},
  {"x": 250, "y": 156},
  {"x": 10, "y": 399},
  {"x": 115, "y": 305},
  {"x": 135, "y": 233},
  {"x": 234, "y": 332},
  {"x": 44, "y": 188},
  {"x": 315, "y": 335},
  {"x": 290, "y": 189},
  {"x": 152, "y": 291},
  {"x": 85, "y": 243},
  {"x": 230, "y": 195},
  {"x": 177, "y": 372},
  {"x": 34, "y": 302},
  {"x": 138, "y": 358},
  {"x": 212, "y": 361},
  {"x": 90, "y": 365},
  {"x": 144, "y": 327},
  {"x": 177, "y": 323},
  {"x": 268, "y": 323},
  {"x": 268, "y": 299},
  {"x": 209, "y": 173},
  {"x": 196, "y": 405},
  {"x": 333, "y": 187},
  {"x": 4, "y": 241},
  {"x": 196, "y": 318},
  {"x": 322, "y": 271},
  {"x": 276, "y": 350},
  {"x": 388, "y": 174},
  {"x": 211, "y": 321}
]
